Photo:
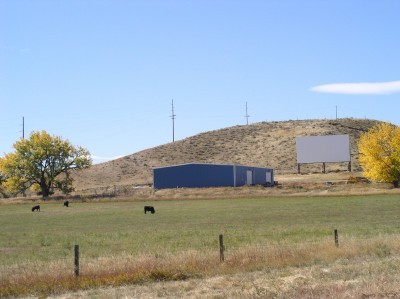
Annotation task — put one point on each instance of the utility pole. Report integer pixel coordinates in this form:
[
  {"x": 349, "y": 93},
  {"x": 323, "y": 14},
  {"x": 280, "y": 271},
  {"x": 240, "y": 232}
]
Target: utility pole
[
  {"x": 336, "y": 112},
  {"x": 173, "y": 122},
  {"x": 23, "y": 127},
  {"x": 247, "y": 115}
]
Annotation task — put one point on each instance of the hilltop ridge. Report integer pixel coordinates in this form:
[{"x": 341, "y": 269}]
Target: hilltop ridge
[{"x": 263, "y": 144}]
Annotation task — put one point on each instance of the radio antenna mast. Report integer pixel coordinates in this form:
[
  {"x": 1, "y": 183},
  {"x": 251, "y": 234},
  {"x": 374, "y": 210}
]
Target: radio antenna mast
[
  {"x": 23, "y": 127},
  {"x": 173, "y": 122},
  {"x": 247, "y": 115}
]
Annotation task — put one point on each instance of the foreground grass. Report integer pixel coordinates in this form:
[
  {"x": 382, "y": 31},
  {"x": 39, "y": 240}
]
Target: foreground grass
[
  {"x": 365, "y": 277},
  {"x": 120, "y": 245}
]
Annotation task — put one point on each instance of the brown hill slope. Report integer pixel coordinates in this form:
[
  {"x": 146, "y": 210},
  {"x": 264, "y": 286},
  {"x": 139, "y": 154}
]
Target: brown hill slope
[{"x": 265, "y": 144}]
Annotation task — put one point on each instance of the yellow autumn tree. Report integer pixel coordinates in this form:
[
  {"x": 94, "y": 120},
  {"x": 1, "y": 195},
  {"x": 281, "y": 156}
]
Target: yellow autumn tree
[
  {"x": 379, "y": 153},
  {"x": 42, "y": 163},
  {"x": 2, "y": 190}
]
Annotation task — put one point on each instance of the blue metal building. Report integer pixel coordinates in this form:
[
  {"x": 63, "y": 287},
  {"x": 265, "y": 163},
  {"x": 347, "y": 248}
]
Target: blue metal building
[{"x": 210, "y": 175}]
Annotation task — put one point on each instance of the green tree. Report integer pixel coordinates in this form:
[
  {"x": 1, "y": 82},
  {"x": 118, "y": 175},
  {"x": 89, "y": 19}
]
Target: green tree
[
  {"x": 42, "y": 163},
  {"x": 380, "y": 153}
]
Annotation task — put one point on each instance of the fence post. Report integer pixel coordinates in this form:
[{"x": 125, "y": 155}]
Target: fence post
[
  {"x": 221, "y": 248},
  {"x": 336, "y": 238},
  {"x": 76, "y": 267}
]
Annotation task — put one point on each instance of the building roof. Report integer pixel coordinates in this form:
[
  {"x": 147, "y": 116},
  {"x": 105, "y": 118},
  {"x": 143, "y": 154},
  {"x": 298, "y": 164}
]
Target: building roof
[{"x": 184, "y": 164}]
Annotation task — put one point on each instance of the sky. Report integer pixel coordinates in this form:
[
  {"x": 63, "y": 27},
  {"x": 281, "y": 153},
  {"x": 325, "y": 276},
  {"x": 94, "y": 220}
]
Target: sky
[{"x": 103, "y": 73}]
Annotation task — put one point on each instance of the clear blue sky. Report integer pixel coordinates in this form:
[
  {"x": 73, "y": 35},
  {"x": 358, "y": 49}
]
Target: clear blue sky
[{"x": 103, "y": 73}]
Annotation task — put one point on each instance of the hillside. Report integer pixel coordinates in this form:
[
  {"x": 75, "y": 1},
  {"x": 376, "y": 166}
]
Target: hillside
[{"x": 264, "y": 144}]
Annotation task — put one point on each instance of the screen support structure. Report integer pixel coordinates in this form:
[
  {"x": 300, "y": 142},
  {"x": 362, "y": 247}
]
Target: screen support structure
[{"x": 323, "y": 167}]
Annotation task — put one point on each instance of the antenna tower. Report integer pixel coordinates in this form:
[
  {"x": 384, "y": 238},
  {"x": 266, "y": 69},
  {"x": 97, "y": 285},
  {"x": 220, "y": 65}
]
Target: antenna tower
[
  {"x": 173, "y": 122},
  {"x": 23, "y": 127},
  {"x": 247, "y": 115}
]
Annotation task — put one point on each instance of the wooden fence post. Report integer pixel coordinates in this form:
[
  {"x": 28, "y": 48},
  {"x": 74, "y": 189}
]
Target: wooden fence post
[
  {"x": 221, "y": 248},
  {"x": 76, "y": 267},
  {"x": 336, "y": 238}
]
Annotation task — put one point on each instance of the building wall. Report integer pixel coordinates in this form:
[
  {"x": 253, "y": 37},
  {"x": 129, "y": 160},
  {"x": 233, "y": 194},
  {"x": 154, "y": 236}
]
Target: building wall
[
  {"x": 208, "y": 175},
  {"x": 258, "y": 175},
  {"x": 193, "y": 176}
]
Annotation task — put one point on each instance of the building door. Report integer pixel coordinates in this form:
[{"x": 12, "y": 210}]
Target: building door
[
  {"x": 268, "y": 177},
  {"x": 249, "y": 177}
]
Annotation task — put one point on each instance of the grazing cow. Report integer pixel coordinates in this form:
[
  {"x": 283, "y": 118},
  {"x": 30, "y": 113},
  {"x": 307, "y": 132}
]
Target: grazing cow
[
  {"x": 66, "y": 203},
  {"x": 36, "y": 208},
  {"x": 149, "y": 209}
]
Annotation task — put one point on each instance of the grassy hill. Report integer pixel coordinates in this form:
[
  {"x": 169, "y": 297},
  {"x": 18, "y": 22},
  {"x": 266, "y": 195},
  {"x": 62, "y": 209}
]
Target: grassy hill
[{"x": 264, "y": 144}]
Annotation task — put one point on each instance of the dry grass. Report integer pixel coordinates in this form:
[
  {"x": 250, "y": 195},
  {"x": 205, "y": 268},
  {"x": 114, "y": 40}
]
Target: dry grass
[
  {"x": 358, "y": 278},
  {"x": 290, "y": 185},
  {"x": 296, "y": 264},
  {"x": 306, "y": 270},
  {"x": 363, "y": 268},
  {"x": 265, "y": 144}
]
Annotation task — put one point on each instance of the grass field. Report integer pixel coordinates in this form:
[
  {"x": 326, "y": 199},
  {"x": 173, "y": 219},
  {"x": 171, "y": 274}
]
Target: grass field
[{"x": 182, "y": 236}]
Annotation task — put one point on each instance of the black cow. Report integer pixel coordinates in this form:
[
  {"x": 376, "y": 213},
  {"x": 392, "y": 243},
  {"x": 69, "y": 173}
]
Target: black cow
[
  {"x": 66, "y": 203},
  {"x": 36, "y": 208},
  {"x": 149, "y": 209}
]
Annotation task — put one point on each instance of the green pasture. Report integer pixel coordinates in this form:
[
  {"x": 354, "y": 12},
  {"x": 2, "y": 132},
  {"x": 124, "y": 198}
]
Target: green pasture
[{"x": 113, "y": 228}]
